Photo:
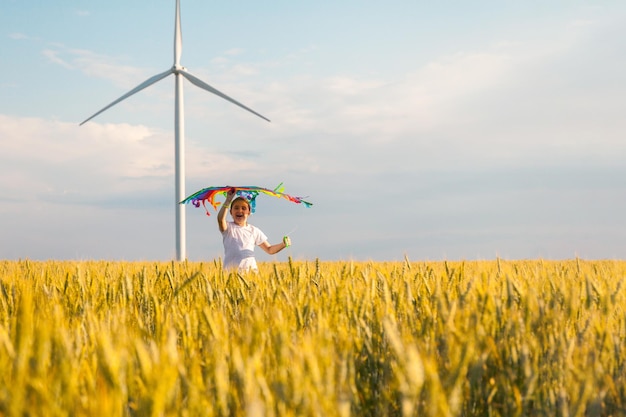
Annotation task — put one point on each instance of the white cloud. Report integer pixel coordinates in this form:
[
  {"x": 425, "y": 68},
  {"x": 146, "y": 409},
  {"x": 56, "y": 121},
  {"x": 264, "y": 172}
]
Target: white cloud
[
  {"x": 244, "y": 70},
  {"x": 53, "y": 56},
  {"x": 18, "y": 36},
  {"x": 43, "y": 157},
  {"x": 234, "y": 51},
  {"x": 97, "y": 65}
]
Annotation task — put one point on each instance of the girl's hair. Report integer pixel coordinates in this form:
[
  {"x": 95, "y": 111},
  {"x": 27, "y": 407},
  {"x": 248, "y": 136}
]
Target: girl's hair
[{"x": 240, "y": 199}]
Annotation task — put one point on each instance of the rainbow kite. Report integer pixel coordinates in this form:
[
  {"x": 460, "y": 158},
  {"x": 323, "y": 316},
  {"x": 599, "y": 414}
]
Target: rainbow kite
[{"x": 250, "y": 193}]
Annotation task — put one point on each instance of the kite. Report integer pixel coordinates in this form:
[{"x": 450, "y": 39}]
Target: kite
[{"x": 250, "y": 193}]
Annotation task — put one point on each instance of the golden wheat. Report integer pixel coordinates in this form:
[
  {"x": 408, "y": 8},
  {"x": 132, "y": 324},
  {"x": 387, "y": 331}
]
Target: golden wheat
[{"x": 479, "y": 338}]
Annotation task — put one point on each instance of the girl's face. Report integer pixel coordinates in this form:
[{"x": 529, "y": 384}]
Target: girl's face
[{"x": 240, "y": 211}]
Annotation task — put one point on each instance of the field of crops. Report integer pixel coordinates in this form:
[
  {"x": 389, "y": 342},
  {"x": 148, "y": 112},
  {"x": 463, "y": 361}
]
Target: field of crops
[{"x": 474, "y": 338}]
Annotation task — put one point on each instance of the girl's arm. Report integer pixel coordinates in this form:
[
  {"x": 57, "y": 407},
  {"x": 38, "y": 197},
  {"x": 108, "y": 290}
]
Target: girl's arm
[
  {"x": 221, "y": 215},
  {"x": 273, "y": 249}
]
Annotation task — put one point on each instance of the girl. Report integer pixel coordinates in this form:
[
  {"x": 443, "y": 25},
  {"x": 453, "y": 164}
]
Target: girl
[{"x": 240, "y": 238}]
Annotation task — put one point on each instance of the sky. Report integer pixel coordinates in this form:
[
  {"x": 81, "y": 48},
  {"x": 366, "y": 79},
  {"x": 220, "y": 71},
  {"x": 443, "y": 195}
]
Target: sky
[{"x": 419, "y": 130}]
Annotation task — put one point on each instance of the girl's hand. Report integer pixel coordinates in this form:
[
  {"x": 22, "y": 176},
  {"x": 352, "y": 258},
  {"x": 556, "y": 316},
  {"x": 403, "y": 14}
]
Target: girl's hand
[
  {"x": 287, "y": 241},
  {"x": 230, "y": 194}
]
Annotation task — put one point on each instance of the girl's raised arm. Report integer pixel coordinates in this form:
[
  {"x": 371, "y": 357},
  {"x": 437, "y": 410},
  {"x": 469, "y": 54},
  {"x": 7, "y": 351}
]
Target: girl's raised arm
[{"x": 221, "y": 215}]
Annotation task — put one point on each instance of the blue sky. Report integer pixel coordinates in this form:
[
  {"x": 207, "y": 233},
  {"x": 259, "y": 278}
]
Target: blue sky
[{"x": 432, "y": 130}]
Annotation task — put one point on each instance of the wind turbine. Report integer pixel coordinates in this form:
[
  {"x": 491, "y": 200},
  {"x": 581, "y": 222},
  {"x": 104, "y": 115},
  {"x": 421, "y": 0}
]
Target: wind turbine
[{"x": 179, "y": 125}]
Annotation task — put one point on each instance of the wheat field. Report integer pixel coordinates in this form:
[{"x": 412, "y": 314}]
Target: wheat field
[{"x": 313, "y": 338}]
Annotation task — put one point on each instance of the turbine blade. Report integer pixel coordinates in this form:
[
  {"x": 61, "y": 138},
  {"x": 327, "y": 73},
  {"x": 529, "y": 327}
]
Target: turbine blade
[
  {"x": 178, "y": 37},
  {"x": 199, "y": 83},
  {"x": 140, "y": 87}
]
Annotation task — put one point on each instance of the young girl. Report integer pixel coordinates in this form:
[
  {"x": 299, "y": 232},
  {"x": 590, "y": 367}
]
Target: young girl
[{"x": 240, "y": 238}]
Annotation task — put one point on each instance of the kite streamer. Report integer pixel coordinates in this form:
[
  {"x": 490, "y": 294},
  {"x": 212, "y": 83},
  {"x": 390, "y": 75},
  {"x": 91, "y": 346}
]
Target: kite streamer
[{"x": 250, "y": 193}]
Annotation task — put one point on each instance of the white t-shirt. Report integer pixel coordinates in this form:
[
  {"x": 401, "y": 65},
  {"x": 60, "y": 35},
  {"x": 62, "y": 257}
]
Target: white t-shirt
[{"x": 239, "y": 243}]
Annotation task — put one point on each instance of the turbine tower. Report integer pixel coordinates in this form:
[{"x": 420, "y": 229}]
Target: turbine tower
[{"x": 179, "y": 125}]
